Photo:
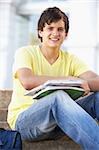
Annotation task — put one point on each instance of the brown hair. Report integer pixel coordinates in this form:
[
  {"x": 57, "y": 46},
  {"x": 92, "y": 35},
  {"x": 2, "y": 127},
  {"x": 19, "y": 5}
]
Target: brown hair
[{"x": 50, "y": 15}]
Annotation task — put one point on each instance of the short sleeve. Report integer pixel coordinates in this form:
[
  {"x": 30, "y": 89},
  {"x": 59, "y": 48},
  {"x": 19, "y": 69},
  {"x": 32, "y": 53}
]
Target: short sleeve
[
  {"x": 22, "y": 59},
  {"x": 78, "y": 66}
]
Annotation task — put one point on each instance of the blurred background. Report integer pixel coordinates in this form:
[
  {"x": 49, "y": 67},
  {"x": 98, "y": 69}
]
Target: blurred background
[{"x": 18, "y": 27}]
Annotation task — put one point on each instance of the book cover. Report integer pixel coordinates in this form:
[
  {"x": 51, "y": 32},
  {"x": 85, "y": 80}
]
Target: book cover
[{"x": 72, "y": 87}]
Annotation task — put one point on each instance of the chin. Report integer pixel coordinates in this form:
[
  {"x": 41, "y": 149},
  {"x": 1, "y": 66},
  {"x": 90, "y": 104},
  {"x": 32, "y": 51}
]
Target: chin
[{"x": 54, "y": 45}]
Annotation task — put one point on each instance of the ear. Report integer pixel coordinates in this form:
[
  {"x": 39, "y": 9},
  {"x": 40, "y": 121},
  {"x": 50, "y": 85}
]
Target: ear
[
  {"x": 40, "y": 33},
  {"x": 66, "y": 34}
]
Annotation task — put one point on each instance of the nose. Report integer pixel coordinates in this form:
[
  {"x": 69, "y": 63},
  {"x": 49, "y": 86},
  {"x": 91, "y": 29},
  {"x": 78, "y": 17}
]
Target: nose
[{"x": 55, "y": 32}]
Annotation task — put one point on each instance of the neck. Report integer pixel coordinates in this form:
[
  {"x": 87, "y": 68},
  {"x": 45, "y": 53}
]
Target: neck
[{"x": 51, "y": 54}]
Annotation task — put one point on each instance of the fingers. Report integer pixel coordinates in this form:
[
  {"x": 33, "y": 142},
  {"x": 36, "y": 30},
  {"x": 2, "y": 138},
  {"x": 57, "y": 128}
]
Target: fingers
[
  {"x": 85, "y": 86},
  {"x": 86, "y": 92}
]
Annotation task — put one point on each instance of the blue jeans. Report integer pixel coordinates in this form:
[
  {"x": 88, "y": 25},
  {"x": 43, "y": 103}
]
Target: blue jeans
[{"x": 57, "y": 115}]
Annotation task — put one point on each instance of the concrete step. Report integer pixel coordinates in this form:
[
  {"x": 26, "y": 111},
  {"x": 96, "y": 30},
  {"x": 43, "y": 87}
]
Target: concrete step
[
  {"x": 5, "y": 97},
  {"x": 61, "y": 144},
  {"x": 3, "y": 114},
  {"x": 4, "y": 124}
]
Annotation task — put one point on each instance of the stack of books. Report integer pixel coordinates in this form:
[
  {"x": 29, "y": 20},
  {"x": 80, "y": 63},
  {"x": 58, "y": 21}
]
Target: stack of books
[{"x": 71, "y": 87}]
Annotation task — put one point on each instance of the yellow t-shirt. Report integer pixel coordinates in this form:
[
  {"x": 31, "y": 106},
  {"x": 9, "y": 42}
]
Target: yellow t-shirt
[{"x": 31, "y": 57}]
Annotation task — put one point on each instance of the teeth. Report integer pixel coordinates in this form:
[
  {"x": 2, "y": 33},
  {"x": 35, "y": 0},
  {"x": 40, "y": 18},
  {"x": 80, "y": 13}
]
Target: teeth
[{"x": 54, "y": 39}]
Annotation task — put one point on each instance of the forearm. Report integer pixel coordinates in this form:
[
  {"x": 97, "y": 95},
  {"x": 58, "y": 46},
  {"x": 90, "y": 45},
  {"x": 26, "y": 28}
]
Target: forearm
[
  {"x": 29, "y": 80},
  {"x": 34, "y": 81}
]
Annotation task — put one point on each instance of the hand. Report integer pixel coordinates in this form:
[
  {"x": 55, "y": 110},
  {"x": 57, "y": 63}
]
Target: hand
[{"x": 85, "y": 86}]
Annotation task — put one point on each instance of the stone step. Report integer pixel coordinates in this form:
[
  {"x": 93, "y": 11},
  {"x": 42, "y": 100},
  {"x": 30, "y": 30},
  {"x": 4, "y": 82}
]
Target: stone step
[
  {"x": 61, "y": 144},
  {"x": 5, "y": 97},
  {"x": 4, "y": 124},
  {"x": 3, "y": 114}
]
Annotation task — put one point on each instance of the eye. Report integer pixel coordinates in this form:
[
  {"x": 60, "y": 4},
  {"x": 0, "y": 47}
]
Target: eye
[
  {"x": 50, "y": 28},
  {"x": 61, "y": 29}
]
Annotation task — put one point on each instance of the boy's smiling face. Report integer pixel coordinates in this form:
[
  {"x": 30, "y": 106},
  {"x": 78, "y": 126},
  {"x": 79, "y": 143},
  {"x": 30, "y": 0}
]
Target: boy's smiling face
[{"x": 54, "y": 34}]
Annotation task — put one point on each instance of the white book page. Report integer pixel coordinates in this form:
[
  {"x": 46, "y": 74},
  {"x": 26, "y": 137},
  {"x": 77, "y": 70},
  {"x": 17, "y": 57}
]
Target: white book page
[{"x": 54, "y": 83}]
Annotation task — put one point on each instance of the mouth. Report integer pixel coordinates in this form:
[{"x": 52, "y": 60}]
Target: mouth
[{"x": 54, "y": 39}]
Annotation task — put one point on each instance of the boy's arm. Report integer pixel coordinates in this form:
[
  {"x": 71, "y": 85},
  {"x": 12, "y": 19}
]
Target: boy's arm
[
  {"x": 29, "y": 81},
  {"x": 93, "y": 80}
]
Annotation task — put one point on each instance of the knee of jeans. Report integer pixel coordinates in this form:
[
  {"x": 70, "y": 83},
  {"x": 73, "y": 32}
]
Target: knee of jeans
[
  {"x": 56, "y": 96},
  {"x": 60, "y": 96},
  {"x": 60, "y": 93}
]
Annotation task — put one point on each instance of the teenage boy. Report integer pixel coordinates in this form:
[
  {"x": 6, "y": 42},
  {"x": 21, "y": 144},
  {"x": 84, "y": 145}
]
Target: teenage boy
[{"x": 57, "y": 114}]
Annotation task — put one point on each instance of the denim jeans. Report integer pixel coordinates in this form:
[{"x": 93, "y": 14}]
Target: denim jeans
[{"x": 57, "y": 115}]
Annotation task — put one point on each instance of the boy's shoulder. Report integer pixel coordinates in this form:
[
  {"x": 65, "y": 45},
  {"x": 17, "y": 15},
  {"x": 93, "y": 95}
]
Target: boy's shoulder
[
  {"x": 66, "y": 53},
  {"x": 27, "y": 49}
]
